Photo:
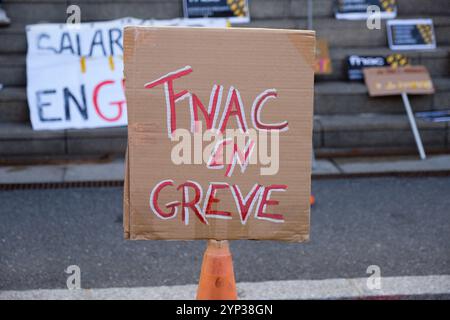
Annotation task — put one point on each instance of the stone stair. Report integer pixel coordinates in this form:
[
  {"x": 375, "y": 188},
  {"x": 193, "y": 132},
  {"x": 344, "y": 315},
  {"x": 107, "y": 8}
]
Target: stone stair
[{"x": 346, "y": 122}]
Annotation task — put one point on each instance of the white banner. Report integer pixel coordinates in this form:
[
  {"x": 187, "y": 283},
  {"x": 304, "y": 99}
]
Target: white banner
[{"x": 75, "y": 72}]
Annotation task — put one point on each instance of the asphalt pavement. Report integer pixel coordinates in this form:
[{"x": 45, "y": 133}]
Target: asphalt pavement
[{"x": 399, "y": 224}]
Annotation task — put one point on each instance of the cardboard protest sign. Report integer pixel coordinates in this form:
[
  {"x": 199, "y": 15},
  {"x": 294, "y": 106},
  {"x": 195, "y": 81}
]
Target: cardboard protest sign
[
  {"x": 323, "y": 61},
  {"x": 75, "y": 72},
  {"x": 204, "y": 108},
  {"x": 386, "y": 81},
  {"x": 235, "y": 11},
  {"x": 356, "y": 63},
  {"x": 411, "y": 34},
  {"x": 357, "y": 9}
]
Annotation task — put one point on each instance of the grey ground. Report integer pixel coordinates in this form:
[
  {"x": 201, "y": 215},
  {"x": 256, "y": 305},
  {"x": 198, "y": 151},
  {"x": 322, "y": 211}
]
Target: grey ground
[{"x": 400, "y": 224}]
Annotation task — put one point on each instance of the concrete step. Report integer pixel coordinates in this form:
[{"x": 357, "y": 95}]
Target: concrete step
[
  {"x": 340, "y": 98},
  {"x": 341, "y": 134},
  {"x": 364, "y": 134},
  {"x": 13, "y": 66},
  {"x": 13, "y": 105},
  {"x": 18, "y": 139},
  {"x": 345, "y": 33},
  {"x": 420, "y": 7},
  {"x": 13, "y": 70},
  {"x": 340, "y": 33},
  {"x": 331, "y": 98},
  {"x": 32, "y": 11},
  {"x": 114, "y": 169}
]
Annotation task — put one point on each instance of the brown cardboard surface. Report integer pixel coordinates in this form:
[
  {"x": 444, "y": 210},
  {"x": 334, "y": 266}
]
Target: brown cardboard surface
[
  {"x": 323, "y": 60},
  {"x": 386, "y": 81},
  {"x": 250, "y": 60},
  {"x": 126, "y": 200}
]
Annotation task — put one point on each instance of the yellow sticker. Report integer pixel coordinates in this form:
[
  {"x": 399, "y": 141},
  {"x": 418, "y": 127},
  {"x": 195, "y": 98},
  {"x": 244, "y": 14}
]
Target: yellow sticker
[
  {"x": 111, "y": 63},
  {"x": 83, "y": 64}
]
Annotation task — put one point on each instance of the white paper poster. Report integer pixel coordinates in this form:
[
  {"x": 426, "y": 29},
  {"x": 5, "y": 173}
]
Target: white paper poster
[{"x": 75, "y": 72}]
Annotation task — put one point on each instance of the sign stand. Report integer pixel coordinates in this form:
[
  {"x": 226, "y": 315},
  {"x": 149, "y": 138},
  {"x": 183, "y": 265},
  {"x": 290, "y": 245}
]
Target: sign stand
[
  {"x": 412, "y": 122},
  {"x": 217, "y": 280},
  {"x": 388, "y": 81}
]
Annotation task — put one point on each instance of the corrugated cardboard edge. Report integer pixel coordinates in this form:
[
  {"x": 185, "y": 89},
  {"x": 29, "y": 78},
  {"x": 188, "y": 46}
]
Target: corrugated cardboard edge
[
  {"x": 233, "y": 29},
  {"x": 126, "y": 199},
  {"x": 126, "y": 185},
  {"x": 308, "y": 56}
]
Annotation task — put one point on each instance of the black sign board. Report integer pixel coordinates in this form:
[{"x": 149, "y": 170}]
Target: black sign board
[
  {"x": 411, "y": 34},
  {"x": 236, "y": 11},
  {"x": 355, "y": 63},
  {"x": 357, "y": 9},
  {"x": 434, "y": 116}
]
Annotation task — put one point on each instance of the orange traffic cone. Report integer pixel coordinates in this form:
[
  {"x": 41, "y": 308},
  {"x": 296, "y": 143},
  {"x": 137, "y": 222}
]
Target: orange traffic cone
[
  {"x": 217, "y": 275},
  {"x": 312, "y": 200}
]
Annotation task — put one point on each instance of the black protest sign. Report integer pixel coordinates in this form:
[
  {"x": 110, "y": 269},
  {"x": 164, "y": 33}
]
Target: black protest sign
[
  {"x": 355, "y": 63},
  {"x": 411, "y": 34},
  {"x": 357, "y": 9},
  {"x": 235, "y": 11}
]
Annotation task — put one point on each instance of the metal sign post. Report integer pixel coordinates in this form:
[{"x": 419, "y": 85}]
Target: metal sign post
[
  {"x": 310, "y": 14},
  {"x": 412, "y": 122}
]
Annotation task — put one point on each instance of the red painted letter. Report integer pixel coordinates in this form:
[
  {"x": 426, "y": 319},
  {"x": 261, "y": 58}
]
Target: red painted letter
[
  {"x": 194, "y": 204},
  {"x": 244, "y": 206},
  {"x": 119, "y": 104},
  {"x": 210, "y": 199},
  {"x": 211, "y": 113},
  {"x": 154, "y": 201},
  {"x": 256, "y": 112},
  {"x": 171, "y": 97},
  {"x": 234, "y": 98},
  {"x": 265, "y": 201}
]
